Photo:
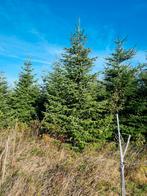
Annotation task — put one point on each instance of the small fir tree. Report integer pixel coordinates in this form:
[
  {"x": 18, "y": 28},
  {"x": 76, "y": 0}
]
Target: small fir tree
[
  {"x": 4, "y": 102},
  {"x": 25, "y": 95},
  {"x": 134, "y": 115}
]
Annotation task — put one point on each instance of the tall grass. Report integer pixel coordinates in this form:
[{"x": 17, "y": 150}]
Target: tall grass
[{"x": 43, "y": 166}]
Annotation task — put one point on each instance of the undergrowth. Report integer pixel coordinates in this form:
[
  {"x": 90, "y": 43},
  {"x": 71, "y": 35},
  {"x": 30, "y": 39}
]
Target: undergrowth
[{"x": 43, "y": 166}]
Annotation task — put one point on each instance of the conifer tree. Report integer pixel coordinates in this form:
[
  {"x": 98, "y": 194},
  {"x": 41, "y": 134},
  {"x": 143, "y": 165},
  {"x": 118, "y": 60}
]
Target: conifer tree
[
  {"x": 134, "y": 115},
  {"x": 124, "y": 90},
  {"x": 4, "y": 102},
  {"x": 25, "y": 95},
  {"x": 72, "y": 109},
  {"x": 119, "y": 76}
]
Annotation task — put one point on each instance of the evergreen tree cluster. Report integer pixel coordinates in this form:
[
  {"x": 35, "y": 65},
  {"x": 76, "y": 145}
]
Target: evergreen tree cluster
[{"x": 73, "y": 104}]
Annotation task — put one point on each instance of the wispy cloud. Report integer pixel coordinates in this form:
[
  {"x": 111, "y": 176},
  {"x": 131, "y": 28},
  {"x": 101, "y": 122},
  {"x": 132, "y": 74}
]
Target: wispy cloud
[
  {"x": 15, "y": 51},
  {"x": 140, "y": 57},
  {"x": 34, "y": 29},
  {"x": 41, "y": 51},
  {"x": 101, "y": 37}
]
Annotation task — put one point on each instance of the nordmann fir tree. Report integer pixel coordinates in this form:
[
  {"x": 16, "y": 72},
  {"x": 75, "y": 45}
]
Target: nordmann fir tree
[
  {"x": 54, "y": 102},
  {"x": 134, "y": 115},
  {"x": 121, "y": 79},
  {"x": 72, "y": 110},
  {"x": 25, "y": 95},
  {"x": 5, "y": 112},
  {"x": 119, "y": 76}
]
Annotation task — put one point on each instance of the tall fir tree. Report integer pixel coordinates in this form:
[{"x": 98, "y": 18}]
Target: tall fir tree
[
  {"x": 122, "y": 86},
  {"x": 26, "y": 92},
  {"x": 119, "y": 76},
  {"x": 72, "y": 109}
]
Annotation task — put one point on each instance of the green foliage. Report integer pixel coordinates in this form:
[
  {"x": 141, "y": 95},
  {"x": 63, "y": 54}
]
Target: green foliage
[
  {"x": 24, "y": 98},
  {"x": 134, "y": 116},
  {"x": 4, "y": 102},
  {"x": 74, "y": 105},
  {"x": 136, "y": 189},
  {"x": 126, "y": 91},
  {"x": 73, "y": 110},
  {"x": 119, "y": 76}
]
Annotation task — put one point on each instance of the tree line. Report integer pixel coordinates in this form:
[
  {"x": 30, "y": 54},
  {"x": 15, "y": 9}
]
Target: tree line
[{"x": 76, "y": 104}]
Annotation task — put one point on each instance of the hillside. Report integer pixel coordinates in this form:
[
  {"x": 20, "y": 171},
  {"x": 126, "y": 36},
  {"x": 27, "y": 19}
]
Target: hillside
[{"x": 43, "y": 166}]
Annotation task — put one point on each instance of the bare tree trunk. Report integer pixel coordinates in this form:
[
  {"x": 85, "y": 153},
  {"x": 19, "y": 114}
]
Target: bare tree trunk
[{"x": 123, "y": 190}]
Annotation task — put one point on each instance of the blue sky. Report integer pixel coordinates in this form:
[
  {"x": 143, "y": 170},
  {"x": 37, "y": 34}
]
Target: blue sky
[{"x": 40, "y": 29}]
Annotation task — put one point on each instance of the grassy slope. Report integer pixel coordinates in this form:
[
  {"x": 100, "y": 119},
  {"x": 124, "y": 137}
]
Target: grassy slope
[{"x": 32, "y": 166}]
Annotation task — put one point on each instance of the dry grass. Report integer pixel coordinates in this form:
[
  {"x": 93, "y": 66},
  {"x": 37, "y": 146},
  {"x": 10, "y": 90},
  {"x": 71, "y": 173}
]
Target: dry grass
[{"x": 32, "y": 166}]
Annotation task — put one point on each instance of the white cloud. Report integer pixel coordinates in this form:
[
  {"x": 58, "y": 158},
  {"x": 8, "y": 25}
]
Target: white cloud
[
  {"x": 14, "y": 51},
  {"x": 40, "y": 52},
  {"x": 140, "y": 57}
]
